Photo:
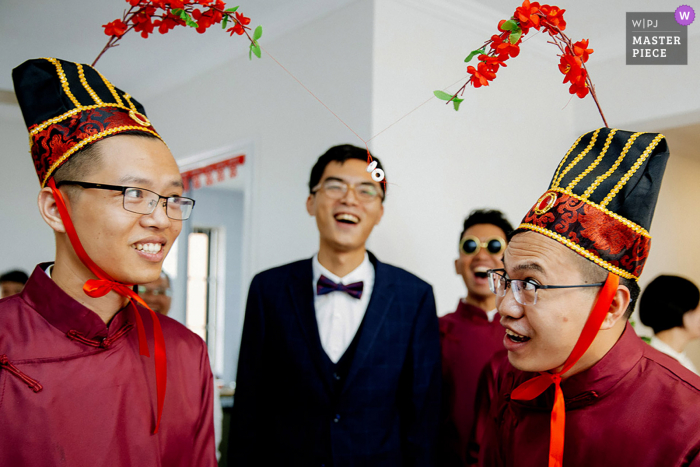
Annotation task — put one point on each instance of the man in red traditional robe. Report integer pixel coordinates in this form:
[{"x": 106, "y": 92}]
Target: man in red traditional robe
[
  {"x": 83, "y": 369},
  {"x": 470, "y": 336},
  {"x": 602, "y": 396}
]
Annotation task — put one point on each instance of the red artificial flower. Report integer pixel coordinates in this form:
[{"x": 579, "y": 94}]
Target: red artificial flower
[
  {"x": 242, "y": 19},
  {"x": 240, "y": 22},
  {"x": 493, "y": 62},
  {"x": 504, "y": 49},
  {"x": 527, "y": 15},
  {"x": 571, "y": 67},
  {"x": 169, "y": 22},
  {"x": 143, "y": 22},
  {"x": 480, "y": 75},
  {"x": 133, "y": 2},
  {"x": 580, "y": 89},
  {"x": 115, "y": 28},
  {"x": 554, "y": 18},
  {"x": 581, "y": 49}
]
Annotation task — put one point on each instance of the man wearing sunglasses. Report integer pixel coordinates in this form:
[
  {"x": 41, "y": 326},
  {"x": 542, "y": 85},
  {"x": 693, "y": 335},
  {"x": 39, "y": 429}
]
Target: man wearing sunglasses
[
  {"x": 578, "y": 386},
  {"x": 340, "y": 358},
  {"x": 89, "y": 374},
  {"x": 470, "y": 336}
]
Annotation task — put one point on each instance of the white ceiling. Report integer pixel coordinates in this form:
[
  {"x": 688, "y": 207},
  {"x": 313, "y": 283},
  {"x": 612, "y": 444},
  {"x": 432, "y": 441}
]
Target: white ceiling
[{"x": 71, "y": 30}]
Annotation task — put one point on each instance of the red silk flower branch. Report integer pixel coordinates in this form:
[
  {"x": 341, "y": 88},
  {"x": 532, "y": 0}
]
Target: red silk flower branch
[
  {"x": 506, "y": 45},
  {"x": 145, "y": 15}
]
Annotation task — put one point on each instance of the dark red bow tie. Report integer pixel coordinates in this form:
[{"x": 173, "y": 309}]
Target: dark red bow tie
[{"x": 325, "y": 285}]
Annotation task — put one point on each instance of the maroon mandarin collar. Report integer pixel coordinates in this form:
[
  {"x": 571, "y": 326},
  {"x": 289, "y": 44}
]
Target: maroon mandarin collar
[
  {"x": 473, "y": 313},
  {"x": 65, "y": 313},
  {"x": 610, "y": 370},
  {"x": 593, "y": 384}
]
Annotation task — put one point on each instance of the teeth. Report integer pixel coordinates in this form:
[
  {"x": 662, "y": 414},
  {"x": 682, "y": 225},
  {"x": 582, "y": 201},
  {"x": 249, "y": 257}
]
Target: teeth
[
  {"x": 511, "y": 333},
  {"x": 481, "y": 269},
  {"x": 347, "y": 217},
  {"x": 148, "y": 247}
]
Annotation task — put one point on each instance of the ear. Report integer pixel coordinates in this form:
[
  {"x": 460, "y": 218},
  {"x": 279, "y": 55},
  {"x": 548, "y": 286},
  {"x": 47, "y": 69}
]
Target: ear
[
  {"x": 617, "y": 308},
  {"x": 381, "y": 213},
  {"x": 49, "y": 210},
  {"x": 310, "y": 201},
  {"x": 457, "y": 267}
]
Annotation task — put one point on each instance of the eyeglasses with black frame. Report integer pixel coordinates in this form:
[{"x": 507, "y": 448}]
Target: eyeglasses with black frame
[
  {"x": 335, "y": 188},
  {"x": 143, "y": 201},
  {"x": 524, "y": 291}
]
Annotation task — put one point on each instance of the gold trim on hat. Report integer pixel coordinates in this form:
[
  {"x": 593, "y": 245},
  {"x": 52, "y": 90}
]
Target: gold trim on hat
[
  {"x": 577, "y": 159},
  {"x": 595, "y": 163},
  {"x": 601, "y": 178},
  {"x": 64, "y": 80},
  {"x": 90, "y": 140},
  {"x": 83, "y": 81},
  {"x": 580, "y": 250},
  {"x": 632, "y": 170},
  {"x": 636, "y": 227}
]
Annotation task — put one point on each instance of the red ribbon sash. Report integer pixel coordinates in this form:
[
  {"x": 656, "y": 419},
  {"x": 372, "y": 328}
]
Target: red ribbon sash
[
  {"x": 102, "y": 286},
  {"x": 537, "y": 385}
]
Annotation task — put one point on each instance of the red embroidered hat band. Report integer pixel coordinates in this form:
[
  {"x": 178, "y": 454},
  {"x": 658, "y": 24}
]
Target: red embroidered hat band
[
  {"x": 68, "y": 106},
  {"x": 602, "y": 197}
]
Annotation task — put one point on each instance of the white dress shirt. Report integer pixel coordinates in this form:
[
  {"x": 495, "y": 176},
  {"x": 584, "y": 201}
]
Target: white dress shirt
[
  {"x": 662, "y": 346},
  {"x": 337, "y": 313}
]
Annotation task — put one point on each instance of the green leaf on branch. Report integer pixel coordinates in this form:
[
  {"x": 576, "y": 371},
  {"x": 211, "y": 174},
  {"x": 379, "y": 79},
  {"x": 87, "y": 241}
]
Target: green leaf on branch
[
  {"x": 515, "y": 36},
  {"x": 256, "y": 50},
  {"x": 442, "y": 95},
  {"x": 231, "y": 10},
  {"x": 510, "y": 25},
  {"x": 258, "y": 33},
  {"x": 456, "y": 101},
  {"x": 473, "y": 54},
  {"x": 177, "y": 11},
  {"x": 224, "y": 22},
  {"x": 188, "y": 19}
]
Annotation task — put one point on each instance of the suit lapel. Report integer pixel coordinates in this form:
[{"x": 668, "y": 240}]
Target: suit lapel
[
  {"x": 377, "y": 311},
  {"x": 300, "y": 289}
]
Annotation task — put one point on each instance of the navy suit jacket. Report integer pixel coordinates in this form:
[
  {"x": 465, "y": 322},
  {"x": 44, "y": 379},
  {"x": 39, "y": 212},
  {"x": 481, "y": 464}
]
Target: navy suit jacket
[{"x": 386, "y": 414}]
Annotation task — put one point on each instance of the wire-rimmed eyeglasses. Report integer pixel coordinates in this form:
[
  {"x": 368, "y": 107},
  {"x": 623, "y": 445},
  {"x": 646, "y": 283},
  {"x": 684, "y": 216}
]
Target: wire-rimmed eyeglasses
[
  {"x": 335, "y": 188},
  {"x": 524, "y": 291},
  {"x": 143, "y": 201}
]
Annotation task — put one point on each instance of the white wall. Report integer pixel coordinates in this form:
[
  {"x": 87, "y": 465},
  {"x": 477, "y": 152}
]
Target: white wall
[
  {"x": 499, "y": 150},
  {"x": 258, "y": 101},
  {"x": 26, "y": 240}
]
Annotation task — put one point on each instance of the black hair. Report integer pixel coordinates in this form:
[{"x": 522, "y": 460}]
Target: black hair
[
  {"x": 487, "y": 216},
  {"x": 665, "y": 300},
  {"x": 15, "y": 276},
  {"x": 340, "y": 154}
]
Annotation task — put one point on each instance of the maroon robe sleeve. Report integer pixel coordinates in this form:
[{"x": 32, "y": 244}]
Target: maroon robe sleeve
[{"x": 204, "y": 445}]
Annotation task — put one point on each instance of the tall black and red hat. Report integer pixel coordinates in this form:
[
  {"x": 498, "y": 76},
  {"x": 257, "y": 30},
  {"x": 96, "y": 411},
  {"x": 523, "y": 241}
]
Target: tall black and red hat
[
  {"x": 601, "y": 200},
  {"x": 68, "y": 106}
]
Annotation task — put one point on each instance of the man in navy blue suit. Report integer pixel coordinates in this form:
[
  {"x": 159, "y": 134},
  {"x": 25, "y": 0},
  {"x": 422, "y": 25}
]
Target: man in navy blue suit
[{"x": 340, "y": 356}]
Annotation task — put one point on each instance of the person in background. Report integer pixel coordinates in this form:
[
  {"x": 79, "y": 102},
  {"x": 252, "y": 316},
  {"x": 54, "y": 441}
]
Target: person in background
[
  {"x": 340, "y": 354},
  {"x": 12, "y": 283},
  {"x": 669, "y": 305},
  {"x": 157, "y": 294},
  {"x": 470, "y": 336}
]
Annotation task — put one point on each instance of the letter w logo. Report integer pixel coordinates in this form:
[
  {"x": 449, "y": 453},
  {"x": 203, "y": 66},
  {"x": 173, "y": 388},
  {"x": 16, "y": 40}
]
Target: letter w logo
[{"x": 685, "y": 15}]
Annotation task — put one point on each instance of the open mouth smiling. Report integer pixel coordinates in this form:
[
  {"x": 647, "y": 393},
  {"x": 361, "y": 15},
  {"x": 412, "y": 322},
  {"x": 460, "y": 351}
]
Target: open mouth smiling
[
  {"x": 346, "y": 218},
  {"x": 515, "y": 337}
]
